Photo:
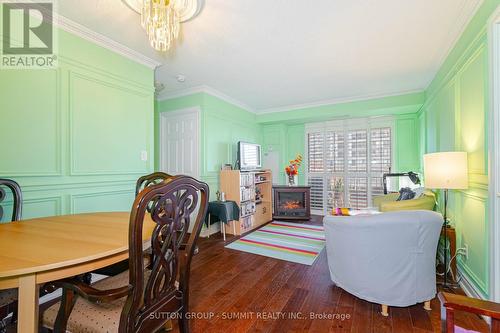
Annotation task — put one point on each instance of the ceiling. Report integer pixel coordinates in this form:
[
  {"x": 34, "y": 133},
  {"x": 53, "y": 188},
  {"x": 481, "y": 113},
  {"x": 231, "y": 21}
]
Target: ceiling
[{"x": 279, "y": 54}]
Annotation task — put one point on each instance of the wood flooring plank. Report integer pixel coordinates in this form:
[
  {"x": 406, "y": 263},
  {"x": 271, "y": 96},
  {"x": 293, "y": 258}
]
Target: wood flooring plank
[
  {"x": 420, "y": 318},
  {"x": 225, "y": 281},
  {"x": 381, "y": 324},
  {"x": 290, "y": 319},
  {"x": 362, "y": 316},
  {"x": 401, "y": 319}
]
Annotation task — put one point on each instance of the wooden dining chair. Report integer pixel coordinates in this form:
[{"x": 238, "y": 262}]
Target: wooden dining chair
[
  {"x": 142, "y": 183},
  {"x": 8, "y": 297},
  {"x": 151, "y": 179},
  {"x": 453, "y": 302},
  {"x": 141, "y": 299}
]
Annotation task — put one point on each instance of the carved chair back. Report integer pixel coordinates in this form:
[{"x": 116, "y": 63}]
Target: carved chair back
[
  {"x": 171, "y": 204},
  {"x": 151, "y": 179},
  {"x": 17, "y": 198},
  {"x": 142, "y": 183}
]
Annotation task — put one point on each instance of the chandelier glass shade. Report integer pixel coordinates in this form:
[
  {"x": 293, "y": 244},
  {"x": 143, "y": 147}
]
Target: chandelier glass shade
[{"x": 161, "y": 19}]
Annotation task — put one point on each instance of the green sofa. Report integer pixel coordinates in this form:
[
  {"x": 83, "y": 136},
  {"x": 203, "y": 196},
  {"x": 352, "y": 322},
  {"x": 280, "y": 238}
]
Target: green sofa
[{"x": 388, "y": 203}]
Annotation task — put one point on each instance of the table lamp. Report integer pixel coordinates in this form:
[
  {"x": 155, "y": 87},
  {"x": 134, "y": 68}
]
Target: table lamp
[{"x": 446, "y": 171}]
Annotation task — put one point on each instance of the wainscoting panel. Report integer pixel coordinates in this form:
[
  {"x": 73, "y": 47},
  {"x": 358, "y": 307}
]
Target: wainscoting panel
[
  {"x": 119, "y": 201},
  {"x": 472, "y": 225},
  {"x": 30, "y": 130},
  {"x": 454, "y": 115},
  {"x": 34, "y": 207},
  {"x": 472, "y": 92},
  {"x": 107, "y": 126},
  {"x": 77, "y": 138},
  {"x": 40, "y": 207}
]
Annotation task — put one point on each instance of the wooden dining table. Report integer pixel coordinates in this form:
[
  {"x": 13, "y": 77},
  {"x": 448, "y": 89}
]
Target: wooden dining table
[{"x": 36, "y": 251}]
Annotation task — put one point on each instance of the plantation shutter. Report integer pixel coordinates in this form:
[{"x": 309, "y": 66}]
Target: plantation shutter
[
  {"x": 357, "y": 151},
  {"x": 316, "y": 183},
  {"x": 346, "y": 162},
  {"x": 316, "y": 154},
  {"x": 334, "y": 151},
  {"x": 315, "y": 165},
  {"x": 357, "y": 167}
]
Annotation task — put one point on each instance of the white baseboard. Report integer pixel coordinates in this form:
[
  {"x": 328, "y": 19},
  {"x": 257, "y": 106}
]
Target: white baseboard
[
  {"x": 471, "y": 291},
  {"x": 464, "y": 283},
  {"x": 468, "y": 287}
]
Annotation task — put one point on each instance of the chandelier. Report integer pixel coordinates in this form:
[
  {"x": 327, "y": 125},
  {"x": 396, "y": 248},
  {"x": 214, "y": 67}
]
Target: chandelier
[{"x": 162, "y": 18}]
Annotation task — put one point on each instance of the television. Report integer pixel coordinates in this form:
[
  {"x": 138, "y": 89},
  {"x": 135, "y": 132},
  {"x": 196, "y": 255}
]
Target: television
[{"x": 249, "y": 156}]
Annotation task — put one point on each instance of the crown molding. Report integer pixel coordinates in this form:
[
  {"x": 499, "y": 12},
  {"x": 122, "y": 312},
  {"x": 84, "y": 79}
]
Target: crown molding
[
  {"x": 469, "y": 9},
  {"x": 208, "y": 90},
  {"x": 165, "y": 95},
  {"x": 334, "y": 101},
  {"x": 101, "y": 40},
  {"x": 216, "y": 93}
]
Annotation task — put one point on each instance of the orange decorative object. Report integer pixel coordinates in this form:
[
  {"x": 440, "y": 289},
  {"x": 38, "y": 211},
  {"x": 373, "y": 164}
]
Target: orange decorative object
[{"x": 293, "y": 168}]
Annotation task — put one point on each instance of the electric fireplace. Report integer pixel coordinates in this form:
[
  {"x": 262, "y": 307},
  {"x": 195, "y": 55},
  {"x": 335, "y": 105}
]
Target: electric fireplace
[{"x": 291, "y": 202}]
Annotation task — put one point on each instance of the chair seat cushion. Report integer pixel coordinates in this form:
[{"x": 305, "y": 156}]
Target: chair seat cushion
[
  {"x": 90, "y": 317},
  {"x": 7, "y": 297}
]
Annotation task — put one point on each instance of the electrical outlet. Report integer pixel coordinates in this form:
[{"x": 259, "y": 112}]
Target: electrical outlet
[{"x": 144, "y": 155}]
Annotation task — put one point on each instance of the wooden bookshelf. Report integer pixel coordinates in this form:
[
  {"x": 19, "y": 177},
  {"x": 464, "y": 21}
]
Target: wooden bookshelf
[{"x": 252, "y": 191}]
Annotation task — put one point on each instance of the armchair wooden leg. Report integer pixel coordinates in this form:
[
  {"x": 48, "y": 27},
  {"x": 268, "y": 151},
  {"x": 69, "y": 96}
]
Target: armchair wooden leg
[
  {"x": 68, "y": 301},
  {"x": 385, "y": 310},
  {"x": 449, "y": 322},
  {"x": 427, "y": 306}
]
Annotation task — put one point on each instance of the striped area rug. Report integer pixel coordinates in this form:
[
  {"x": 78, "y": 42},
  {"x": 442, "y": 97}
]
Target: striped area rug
[{"x": 286, "y": 241}]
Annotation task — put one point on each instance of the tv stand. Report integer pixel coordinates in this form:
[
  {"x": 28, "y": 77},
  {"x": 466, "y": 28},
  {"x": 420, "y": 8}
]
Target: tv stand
[{"x": 252, "y": 191}]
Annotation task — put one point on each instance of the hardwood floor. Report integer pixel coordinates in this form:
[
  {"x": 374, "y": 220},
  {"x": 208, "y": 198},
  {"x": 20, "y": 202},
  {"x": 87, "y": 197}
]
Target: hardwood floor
[
  {"x": 242, "y": 292},
  {"x": 233, "y": 291}
]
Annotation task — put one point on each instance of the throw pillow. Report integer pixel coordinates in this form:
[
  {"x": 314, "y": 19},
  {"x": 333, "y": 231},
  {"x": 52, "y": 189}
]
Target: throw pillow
[
  {"x": 405, "y": 194},
  {"x": 341, "y": 211}
]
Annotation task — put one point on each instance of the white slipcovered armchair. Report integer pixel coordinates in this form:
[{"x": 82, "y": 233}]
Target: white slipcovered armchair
[{"x": 387, "y": 258}]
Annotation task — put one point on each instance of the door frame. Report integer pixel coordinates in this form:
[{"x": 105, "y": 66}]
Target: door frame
[
  {"x": 179, "y": 112},
  {"x": 494, "y": 167}
]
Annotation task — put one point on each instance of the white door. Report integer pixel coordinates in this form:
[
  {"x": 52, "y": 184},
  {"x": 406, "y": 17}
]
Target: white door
[{"x": 180, "y": 142}]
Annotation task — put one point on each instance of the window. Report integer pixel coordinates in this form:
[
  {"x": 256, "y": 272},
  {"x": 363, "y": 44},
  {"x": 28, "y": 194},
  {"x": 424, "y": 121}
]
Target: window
[{"x": 346, "y": 161}]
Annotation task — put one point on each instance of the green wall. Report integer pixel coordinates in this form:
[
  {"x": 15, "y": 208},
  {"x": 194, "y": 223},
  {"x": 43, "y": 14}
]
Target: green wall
[
  {"x": 451, "y": 114},
  {"x": 73, "y": 136},
  {"x": 455, "y": 117},
  {"x": 284, "y": 132},
  {"x": 222, "y": 126}
]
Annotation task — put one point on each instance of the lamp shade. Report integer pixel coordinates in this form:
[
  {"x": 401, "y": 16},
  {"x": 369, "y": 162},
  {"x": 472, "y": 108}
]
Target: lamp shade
[{"x": 446, "y": 170}]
